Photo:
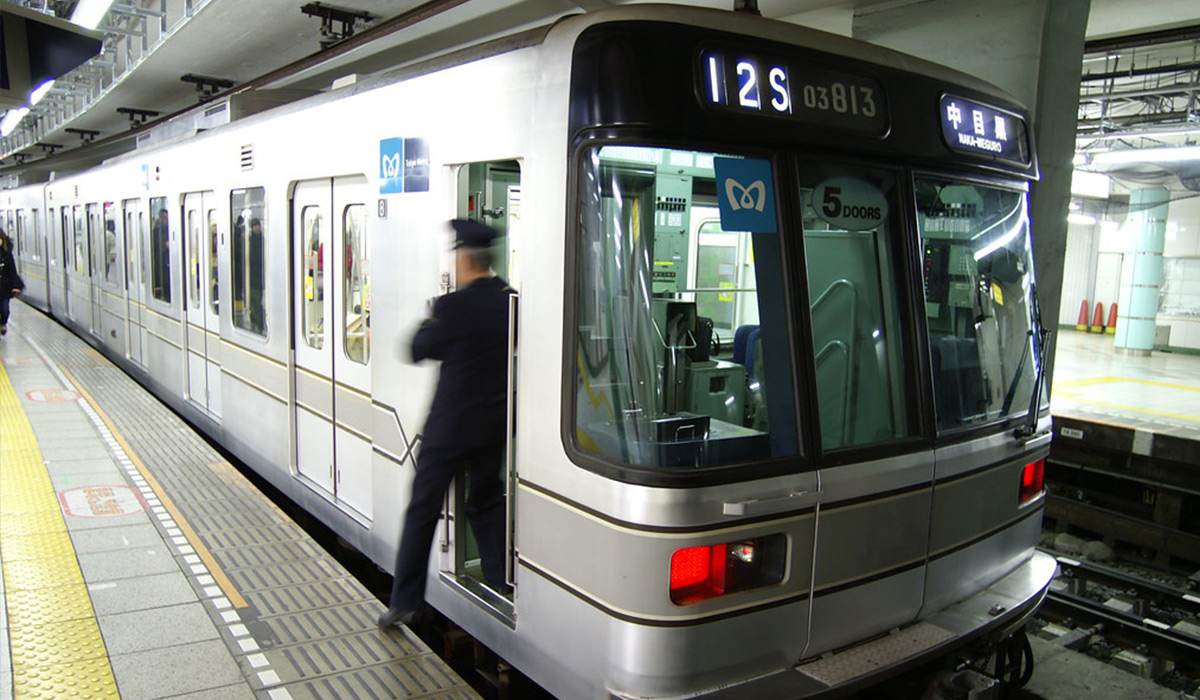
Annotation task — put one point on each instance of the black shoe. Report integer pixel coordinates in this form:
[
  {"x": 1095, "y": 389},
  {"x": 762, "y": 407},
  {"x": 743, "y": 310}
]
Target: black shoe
[{"x": 394, "y": 617}]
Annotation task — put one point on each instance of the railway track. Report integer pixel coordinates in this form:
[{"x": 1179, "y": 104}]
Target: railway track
[{"x": 1147, "y": 628}]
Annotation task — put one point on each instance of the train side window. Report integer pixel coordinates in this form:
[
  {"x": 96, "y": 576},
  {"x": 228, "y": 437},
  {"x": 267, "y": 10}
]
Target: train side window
[
  {"x": 194, "y": 257},
  {"x": 356, "y": 287},
  {"x": 657, "y": 382},
  {"x": 112, "y": 270},
  {"x": 314, "y": 278},
  {"x": 854, "y": 287},
  {"x": 213, "y": 268},
  {"x": 160, "y": 250},
  {"x": 977, "y": 274},
  {"x": 248, "y": 221}
]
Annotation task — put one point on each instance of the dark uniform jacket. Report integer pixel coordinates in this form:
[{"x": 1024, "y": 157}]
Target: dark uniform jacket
[
  {"x": 468, "y": 332},
  {"x": 9, "y": 279}
]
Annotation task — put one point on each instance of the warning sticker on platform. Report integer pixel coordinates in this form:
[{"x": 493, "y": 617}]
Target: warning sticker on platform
[{"x": 101, "y": 502}]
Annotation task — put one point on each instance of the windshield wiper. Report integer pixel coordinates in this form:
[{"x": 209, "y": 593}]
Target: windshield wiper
[{"x": 1041, "y": 338}]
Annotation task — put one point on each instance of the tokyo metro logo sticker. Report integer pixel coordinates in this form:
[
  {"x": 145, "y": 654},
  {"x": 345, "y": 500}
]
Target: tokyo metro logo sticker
[
  {"x": 403, "y": 165},
  {"x": 745, "y": 194}
]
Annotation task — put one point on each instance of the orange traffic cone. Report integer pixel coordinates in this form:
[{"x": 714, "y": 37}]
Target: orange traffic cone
[
  {"x": 1112, "y": 319},
  {"x": 1098, "y": 319},
  {"x": 1082, "y": 325}
]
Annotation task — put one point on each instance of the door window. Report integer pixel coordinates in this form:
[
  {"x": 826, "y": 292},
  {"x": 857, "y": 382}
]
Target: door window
[
  {"x": 314, "y": 277},
  {"x": 854, "y": 287},
  {"x": 214, "y": 237},
  {"x": 112, "y": 269},
  {"x": 356, "y": 305},
  {"x": 978, "y": 276},
  {"x": 194, "y": 256},
  {"x": 81, "y": 258}
]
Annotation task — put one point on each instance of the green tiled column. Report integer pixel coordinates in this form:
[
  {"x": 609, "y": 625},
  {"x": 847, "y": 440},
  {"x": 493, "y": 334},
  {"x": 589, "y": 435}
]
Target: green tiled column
[{"x": 1138, "y": 304}]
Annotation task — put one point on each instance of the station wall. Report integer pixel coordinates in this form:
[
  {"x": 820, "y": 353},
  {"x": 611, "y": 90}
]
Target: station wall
[{"x": 1099, "y": 260}]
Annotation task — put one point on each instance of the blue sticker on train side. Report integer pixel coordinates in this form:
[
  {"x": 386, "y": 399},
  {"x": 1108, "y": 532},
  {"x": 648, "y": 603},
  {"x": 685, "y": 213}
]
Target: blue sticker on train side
[
  {"x": 745, "y": 194},
  {"x": 391, "y": 166},
  {"x": 403, "y": 165}
]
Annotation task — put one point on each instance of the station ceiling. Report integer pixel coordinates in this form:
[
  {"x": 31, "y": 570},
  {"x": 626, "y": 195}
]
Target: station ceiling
[{"x": 1140, "y": 88}]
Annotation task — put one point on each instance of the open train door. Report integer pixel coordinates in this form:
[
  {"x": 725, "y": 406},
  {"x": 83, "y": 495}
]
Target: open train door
[
  {"x": 489, "y": 193},
  {"x": 331, "y": 307}
]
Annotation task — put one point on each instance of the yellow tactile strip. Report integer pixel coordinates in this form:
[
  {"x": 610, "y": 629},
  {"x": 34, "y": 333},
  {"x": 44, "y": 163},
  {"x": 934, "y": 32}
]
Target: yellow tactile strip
[
  {"x": 57, "y": 650},
  {"x": 1069, "y": 388}
]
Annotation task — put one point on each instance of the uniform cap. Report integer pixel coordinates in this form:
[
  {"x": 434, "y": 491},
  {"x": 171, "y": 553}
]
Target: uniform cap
[{"x": 472, "y": 234}]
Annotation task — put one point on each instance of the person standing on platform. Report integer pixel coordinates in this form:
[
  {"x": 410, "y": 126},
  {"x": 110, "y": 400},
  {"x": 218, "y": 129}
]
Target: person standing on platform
[
  {"x": 465, "y": 430},
  {"x": 10, "y": 282}
]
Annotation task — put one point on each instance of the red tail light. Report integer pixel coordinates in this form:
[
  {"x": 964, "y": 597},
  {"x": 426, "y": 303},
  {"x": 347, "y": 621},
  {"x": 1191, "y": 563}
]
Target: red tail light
[
  {"x": 700, "y": 573},
  {"x": 697, "y": 573},
  {"x": 1032, "y": 479}
]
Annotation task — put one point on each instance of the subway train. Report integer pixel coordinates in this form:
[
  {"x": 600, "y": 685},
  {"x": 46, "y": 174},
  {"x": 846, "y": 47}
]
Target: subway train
[{"x": 777, "y": 423}]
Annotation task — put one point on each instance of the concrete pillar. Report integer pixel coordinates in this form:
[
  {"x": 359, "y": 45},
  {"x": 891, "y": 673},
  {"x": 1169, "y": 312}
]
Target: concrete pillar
[
  {"x": 1138, "y": 304},
  {"x": 1034, "y": 50}
]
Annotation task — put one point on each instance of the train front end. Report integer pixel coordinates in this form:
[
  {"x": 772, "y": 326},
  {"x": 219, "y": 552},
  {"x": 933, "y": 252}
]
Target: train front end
[{"x": 801, "y": 412}]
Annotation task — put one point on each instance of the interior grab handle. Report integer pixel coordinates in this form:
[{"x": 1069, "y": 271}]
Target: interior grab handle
[{"x": 778, "y": 504}]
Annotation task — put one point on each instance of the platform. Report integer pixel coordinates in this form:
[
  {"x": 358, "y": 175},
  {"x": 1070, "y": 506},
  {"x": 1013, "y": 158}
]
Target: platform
[
  {"x": 1095, "y": 382},
  {"x": 138, "y": 564}
]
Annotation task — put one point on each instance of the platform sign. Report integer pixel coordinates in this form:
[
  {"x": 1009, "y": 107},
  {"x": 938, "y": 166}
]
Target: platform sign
[
  {"x": 101, "y": 502},
  {"x": 51, "y": 395}
]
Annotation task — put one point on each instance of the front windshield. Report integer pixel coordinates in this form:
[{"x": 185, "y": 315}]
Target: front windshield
[
  {"x": 978, "y": 276},
  {"x": 682, "y": 350}
]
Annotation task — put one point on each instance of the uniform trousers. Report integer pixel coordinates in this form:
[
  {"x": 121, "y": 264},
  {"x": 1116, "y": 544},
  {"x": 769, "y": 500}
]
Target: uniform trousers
[{"x": 436, "y": 466}]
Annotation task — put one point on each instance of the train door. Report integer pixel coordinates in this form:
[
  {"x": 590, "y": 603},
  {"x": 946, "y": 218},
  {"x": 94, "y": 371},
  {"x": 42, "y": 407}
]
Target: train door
[
  {"x": 200, "y": 300},
  {"x": 331, "y": 307},
  {"x": 491, "y": 194},
  {"x": 135, "y": 288},
  {"x": 95, "y": 245}
]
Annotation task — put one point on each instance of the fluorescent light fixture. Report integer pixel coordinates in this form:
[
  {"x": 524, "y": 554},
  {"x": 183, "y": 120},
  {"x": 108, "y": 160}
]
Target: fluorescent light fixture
[
  {"x": 1085, "y": 184},
  {"x": 1081, "y": 219},
  {"x": 1147, "y": 155},
  {"x": 89, "y": 13},
  {"x": 11, "y": 118},
  {"x": 1161, "y": 133},
  {"x": 40, "y": 92}
]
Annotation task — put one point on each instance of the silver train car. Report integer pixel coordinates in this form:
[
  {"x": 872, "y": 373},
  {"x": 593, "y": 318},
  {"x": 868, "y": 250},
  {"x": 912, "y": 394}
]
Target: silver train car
[{"x": 777, "y": 419}]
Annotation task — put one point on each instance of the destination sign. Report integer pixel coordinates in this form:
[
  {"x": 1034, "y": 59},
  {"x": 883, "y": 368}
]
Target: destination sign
[
  {"x": 971, "y": 127},
  {"x": 750, "y": 84}
]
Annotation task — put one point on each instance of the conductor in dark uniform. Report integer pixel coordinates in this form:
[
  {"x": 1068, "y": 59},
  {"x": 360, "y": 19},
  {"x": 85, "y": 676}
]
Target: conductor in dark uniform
[{"x": 465, "y": 431}]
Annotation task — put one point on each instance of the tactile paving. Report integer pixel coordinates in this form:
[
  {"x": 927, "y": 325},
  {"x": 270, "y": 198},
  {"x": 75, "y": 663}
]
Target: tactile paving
[
  {"x": 307, "y": 629},
  {"x": 55, "y": 644},
  {"x": 40, "y": 546},
  {"x": 44, "y": 572},
  {"x": 83, "y": 679}
]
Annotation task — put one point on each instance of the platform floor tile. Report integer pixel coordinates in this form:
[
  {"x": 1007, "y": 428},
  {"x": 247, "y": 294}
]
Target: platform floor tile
[{"x": 199, "y": 587}]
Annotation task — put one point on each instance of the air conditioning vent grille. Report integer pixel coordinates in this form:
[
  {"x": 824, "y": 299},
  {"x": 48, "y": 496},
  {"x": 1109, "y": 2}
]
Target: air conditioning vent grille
[{"x": 248, "y": 157}]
